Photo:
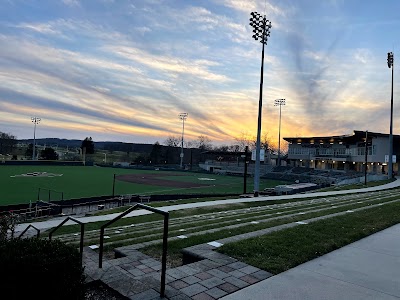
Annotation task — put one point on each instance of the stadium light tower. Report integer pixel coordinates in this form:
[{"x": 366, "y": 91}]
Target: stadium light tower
[
  {"x": 261, "y": 31},
  {"x": 35, "y": 121},
  {"x": 390, "y": 61},
  {"x": 279, "y": 102},
  {"x": 183, "y": 117}
]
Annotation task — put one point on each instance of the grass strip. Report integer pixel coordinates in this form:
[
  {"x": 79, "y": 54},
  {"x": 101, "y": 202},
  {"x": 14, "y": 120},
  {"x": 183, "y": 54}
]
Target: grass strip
[
  {"x": 175, "y": 246},
  {"x": 285, "y": 249},
  {"x": 66, "y": 229},
  {"x": 285, "y": 217},
  {"x": 155, "y": 228}
]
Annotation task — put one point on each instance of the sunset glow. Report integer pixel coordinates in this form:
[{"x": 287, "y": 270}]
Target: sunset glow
[{"x": 124, "y": 70}]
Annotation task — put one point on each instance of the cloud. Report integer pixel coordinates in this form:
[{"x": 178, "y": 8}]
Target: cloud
[
  {"x": 80, "y": 110},
  {"x": 129, "y": 95},
  {"x": 362, "y": 55},
  {"x": 169, "y": 64},
  {"x": 131, "y": 69},
  {"x": 142, "y": 29},
  {"x": 72, "y": 3},
  {"x": 41, "y": 28},
  {"x": 248, "y": 6}
]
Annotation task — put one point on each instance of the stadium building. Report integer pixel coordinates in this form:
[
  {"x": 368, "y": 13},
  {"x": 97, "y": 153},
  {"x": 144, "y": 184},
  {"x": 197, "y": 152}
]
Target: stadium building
[{"x": 344, "y": 152}]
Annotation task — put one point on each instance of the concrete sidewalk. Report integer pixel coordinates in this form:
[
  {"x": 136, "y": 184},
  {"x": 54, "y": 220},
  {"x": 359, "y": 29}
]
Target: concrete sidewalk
[
  {"x": 366, "y": 269},
  {"x": 43, "y": 225}
]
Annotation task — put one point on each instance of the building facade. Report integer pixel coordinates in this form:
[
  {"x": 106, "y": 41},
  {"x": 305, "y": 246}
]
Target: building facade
[{"x": 345, "y": 152}]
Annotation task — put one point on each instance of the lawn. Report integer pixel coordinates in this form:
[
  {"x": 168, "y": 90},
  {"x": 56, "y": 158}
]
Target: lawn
[
  {"x": 80, "y": 181},
  {"x": 282, "y": 250}
]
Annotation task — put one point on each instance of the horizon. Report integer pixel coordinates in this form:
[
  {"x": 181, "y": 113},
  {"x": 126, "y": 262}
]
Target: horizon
[{"x": 122, "y": 72}]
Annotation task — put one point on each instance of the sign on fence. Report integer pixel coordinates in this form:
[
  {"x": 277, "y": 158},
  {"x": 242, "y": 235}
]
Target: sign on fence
[
  {"x": 262, "y": 154},
  {"x": 387, "y": 158}
]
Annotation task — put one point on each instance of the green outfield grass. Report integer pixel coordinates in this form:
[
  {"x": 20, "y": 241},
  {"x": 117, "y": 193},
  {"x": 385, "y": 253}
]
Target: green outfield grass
[{"x": 79, "y": 181}]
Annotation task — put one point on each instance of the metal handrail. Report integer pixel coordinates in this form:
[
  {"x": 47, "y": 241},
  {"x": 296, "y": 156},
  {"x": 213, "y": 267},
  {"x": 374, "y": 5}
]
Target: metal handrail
[
  {"x": 82, "y": 233},
  {"x": 26, "y": 229},
  {"x": 165, "y": 239}
]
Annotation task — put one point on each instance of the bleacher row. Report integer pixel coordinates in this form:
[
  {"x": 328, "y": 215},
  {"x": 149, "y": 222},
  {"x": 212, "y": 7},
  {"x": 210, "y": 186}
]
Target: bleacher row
[
  {"x": 238, "y": 170},
  {"x": 304, "y": 174}
]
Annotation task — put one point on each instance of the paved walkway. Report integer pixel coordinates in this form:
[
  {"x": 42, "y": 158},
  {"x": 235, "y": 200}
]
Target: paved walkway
[
  {"x": 366, "y": 269},
  {"x": 56, "y": 221},
  {"x": 138, "y": 276}
]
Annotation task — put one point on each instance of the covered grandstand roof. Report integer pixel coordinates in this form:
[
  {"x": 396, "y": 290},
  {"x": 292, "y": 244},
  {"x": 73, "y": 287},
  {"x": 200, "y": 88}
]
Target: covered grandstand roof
[{"x": 357, "y": 136}]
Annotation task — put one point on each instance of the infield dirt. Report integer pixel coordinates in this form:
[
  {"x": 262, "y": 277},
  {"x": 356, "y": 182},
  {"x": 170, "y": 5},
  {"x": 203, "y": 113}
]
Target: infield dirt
[{"x": 154, "y": 179}]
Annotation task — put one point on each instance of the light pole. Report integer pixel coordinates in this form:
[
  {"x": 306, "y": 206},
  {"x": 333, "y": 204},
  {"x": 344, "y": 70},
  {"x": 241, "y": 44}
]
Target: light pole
[
  {"x": 35, "y": 120},
  {"x": 279, "y": 102},
  {"x": 390, "y": 61},
  {"x": 261, "y": 30},
  {"x": 183, "y": 117},
  {"x": 366, "y": 157}
]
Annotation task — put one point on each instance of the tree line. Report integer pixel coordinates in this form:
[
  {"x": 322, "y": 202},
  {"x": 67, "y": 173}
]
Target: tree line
[
  {"x": 240, "y": 143},
  {"x": 167, "y": 152}
]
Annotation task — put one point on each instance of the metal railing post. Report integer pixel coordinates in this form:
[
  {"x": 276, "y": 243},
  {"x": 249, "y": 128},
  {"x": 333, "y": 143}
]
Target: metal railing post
[
  {"x": 101, "y": 247},
  {"x": 165, "y": 239},
  {"x": 82, "y": 233},
  {"x": 26, "y": 229},
  {"x": 164, "y": 255}
]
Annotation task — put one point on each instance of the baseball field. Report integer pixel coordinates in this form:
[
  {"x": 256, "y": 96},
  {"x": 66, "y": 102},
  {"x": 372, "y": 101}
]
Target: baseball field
[{"x": 22, "y": 184}]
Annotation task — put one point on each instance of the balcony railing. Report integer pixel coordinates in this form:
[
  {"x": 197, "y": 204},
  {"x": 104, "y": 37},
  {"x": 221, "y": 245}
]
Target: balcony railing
[{"x": 333, "y": 156}]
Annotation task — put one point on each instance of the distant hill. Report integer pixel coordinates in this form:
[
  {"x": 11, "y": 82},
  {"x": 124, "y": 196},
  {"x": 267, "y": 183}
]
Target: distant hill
[
  {"x": 53, "y": 141},
  {"x": 112, "y": 146}
]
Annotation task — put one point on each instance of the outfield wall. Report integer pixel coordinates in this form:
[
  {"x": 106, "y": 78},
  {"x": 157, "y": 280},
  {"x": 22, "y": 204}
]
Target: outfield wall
[{"x": 41, "y": 163}]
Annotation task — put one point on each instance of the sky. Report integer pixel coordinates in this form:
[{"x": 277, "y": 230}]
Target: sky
[{"x": 123, "y": 70}]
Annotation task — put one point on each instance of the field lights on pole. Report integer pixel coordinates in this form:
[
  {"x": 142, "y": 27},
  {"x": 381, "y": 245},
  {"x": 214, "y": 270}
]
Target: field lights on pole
[
  {"x": 279, "y": 102},
  {"x": 35, "y": 120},
  {"x": 390, "y": 61},
  {"x": 183, "y": 117},
  {"x": 261, "y": 29}
]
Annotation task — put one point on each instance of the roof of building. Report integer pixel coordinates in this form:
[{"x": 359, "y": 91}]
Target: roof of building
[{"x": 357, "y": 136}]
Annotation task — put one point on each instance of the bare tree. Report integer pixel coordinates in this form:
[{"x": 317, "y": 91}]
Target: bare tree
[
  {"x": 266, "y": 142},
  {"x": 189, "y": 144},
  {"x": 203, "y": 143},
  {"x": 284, "y": 147},
  {"x": 234, "y": 148},
  {"x": 222, "y": 148},
  {"x": 245, "y": 140},
  {"x": 172, "y": 141}
]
